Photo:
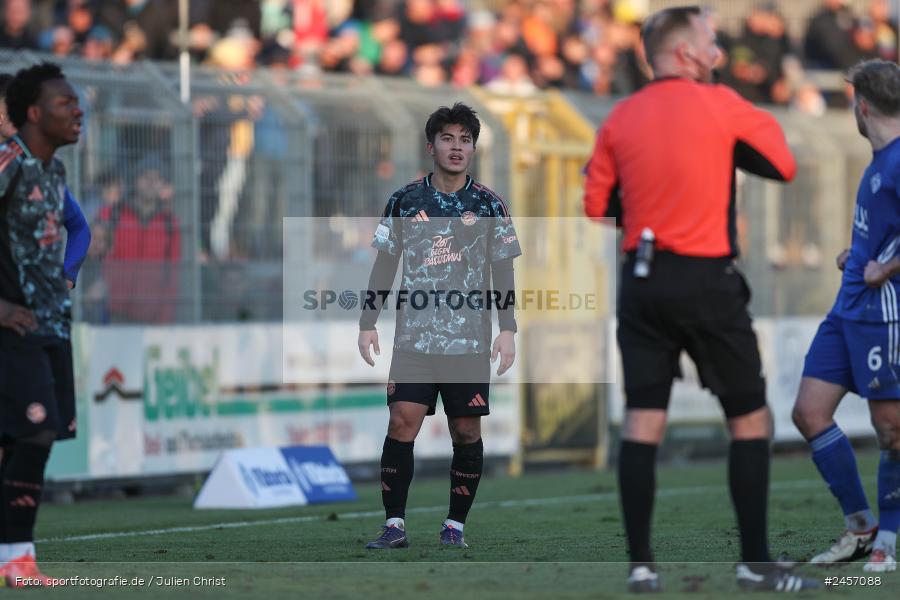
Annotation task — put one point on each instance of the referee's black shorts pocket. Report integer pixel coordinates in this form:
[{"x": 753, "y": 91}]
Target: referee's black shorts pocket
[{"x": 726, "y": 295}]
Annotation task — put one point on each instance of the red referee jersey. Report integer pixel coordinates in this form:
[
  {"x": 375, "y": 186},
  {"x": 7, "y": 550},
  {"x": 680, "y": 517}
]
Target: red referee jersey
[{"x": 668, "y": 154}]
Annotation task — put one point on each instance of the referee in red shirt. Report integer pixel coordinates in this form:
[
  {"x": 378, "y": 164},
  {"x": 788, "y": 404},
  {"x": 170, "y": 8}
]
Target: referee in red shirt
[{"x": 664, "y": 162}]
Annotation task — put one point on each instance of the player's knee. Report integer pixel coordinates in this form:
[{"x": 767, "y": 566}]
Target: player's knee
[
  {"x": 809, "y": 420},
  {"x": 887, "y": 431},
  {"x": 465, "y": 431},
  {"x": 466, "y": 436},
  {"x": 401, "y": 427},
  {"x": 753, "y": 425},
  {"x": 644, "y": 426},
  {"x": 802, "y": 417}
]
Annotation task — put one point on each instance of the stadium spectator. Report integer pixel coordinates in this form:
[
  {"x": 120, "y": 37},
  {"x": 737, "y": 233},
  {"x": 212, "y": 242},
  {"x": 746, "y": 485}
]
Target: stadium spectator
[
  {"x": 828, "y": 43},
  {"x": 15, "y": 33},
  {"x": 756, "y": 59},
  {"x": 132, "y": 46},
  {"x": 504, "y": 40},
  {"x": 514, "y": 79},
  {"x": 588, "y": 45},
  {"x": 419, "y": 23},
  {"x": 95, "y": 294},
  {"x": 79, "y": 19},
  {"x": 629, "y": 72},
  {"x": 237, "y": 50},
  {"x": 689, "y": 295},
  {"x": 394, "y": 59},
  {"x": 575, "y": 55},
  {"x": 140, "y": 268},
  {"x": 266, "y": 202},
  {"x": 59, "y": 40},
  {"x": 153, "y": 20},
  {"x": 467, "y": 69},
  {"x": 885, "y": 30},
  {"x": 539, "y": 31},
  {"x": 98, "y": 45},
  {"x": 223, "y": 15}
]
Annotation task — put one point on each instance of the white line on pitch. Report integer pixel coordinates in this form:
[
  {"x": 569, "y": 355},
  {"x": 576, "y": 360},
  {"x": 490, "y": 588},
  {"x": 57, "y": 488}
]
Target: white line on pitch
[{"x": 664, "y": 493}]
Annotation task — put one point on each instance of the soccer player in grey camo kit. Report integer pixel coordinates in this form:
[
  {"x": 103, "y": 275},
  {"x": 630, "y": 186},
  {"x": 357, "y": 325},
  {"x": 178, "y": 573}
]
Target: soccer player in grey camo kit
[
  {"x": 458, "y": 244},
  {"x": 36, "y": 375}
]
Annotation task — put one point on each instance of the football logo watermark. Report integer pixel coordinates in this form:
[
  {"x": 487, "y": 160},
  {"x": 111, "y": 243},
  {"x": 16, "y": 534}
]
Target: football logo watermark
[
  {"x": 420, "y": 299},
  {"x": 360, "y": 293}
]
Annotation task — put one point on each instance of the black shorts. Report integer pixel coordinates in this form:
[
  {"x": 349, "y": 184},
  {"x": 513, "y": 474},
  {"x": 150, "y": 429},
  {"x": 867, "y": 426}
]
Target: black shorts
[
  {"x": 37, "y": 386},
  {"x": 463, "y": 381},
  {"x": 698, "y": 305}
]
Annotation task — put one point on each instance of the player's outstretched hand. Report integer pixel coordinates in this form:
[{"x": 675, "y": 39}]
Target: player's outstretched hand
[
  {"x": 366, "y": 339},
  {"x": 876, "y": 274},
  {"x": 15, "y": 317},
  {"x": 505, "y": 346},
  {"x": 842, "y": 259}
]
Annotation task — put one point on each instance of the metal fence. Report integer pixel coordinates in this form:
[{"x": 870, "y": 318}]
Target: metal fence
[
  {"x": 132, "y": 173},
  {"x": 186, "y": 202}
]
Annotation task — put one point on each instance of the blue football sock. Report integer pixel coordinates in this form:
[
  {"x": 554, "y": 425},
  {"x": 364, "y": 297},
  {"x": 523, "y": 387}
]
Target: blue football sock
[
  {"x": 835, "y": 460},
  {"x": 889, "y": 496}
]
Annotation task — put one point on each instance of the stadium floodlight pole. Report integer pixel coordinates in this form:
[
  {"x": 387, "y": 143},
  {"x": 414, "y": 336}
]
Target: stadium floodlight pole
[{"x": 184, "y": 58}]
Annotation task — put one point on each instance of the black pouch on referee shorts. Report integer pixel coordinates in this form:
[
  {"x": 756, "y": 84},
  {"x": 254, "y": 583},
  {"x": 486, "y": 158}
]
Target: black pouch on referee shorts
[{"x": 731, "y": 271}]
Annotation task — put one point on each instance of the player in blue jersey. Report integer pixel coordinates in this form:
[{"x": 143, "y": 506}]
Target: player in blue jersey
[
  {"x": 37, "y": 404},
  {"x": 857, "y": 346},
  {"x": 457, "y": 243}
]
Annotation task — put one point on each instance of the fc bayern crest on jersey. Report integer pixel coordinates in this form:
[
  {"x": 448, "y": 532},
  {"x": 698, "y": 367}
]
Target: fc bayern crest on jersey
[
  {"x": 36, "y": 413},
  {"x": 469, "y": 218},
  {"x": 875, "y": 182}
]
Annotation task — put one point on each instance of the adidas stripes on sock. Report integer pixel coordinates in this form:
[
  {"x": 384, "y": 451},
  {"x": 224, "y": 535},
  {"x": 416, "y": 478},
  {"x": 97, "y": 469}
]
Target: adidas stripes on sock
[
  {"x": 396, "y": 474},
  {"x": 23, "y": 480},
  {"x": 465, "y": 474},
  {"x": 833, "y": 455}
]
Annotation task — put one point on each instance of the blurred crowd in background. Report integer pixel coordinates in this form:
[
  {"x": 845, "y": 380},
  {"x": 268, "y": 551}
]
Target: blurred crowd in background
[{"x": 509, "y": 46}]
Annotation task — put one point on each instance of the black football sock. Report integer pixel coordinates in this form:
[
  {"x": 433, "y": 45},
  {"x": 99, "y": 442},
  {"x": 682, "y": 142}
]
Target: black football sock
[
  {"x": 23, "y": 480},
  {"x": 465, "y": 473},
  {"x": 748, "y": 478},
  {"x": 7, "y": 455},
  {"x": 396, "y": 474},
  {"x": 637, "y": 487}
]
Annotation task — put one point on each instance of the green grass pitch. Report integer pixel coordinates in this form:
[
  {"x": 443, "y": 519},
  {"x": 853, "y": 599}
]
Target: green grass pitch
[{"x": 538, "y": 536}]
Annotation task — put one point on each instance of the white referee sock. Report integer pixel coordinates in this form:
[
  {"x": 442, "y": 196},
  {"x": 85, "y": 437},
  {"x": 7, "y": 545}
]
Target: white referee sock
[
  {"x": 454, "y": 525},
  {"x": 395, "y": 522}
]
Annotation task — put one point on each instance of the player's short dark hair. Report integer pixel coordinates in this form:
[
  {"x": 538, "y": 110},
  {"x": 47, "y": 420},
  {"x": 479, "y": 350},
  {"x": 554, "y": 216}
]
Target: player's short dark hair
[
  {"x": 5, "y": 78},
  {"x": 460, "y": 114},
  {"x": 25, "y": 88},
  {"x": 661, "y": 25},
  {"x": 878, "y": 81}
]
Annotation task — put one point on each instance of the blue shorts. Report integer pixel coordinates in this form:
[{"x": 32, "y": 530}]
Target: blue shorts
[{"x": 860, "y": 356}]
